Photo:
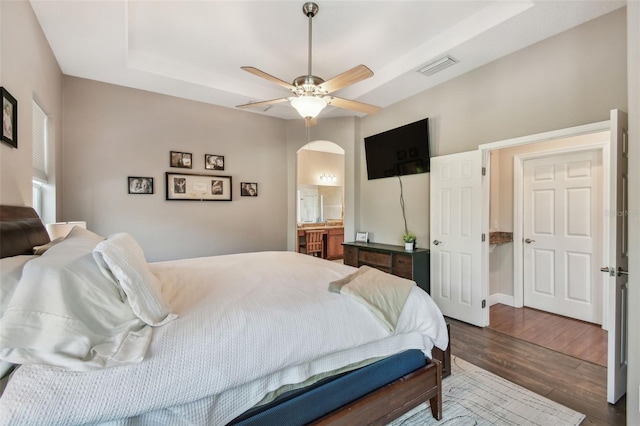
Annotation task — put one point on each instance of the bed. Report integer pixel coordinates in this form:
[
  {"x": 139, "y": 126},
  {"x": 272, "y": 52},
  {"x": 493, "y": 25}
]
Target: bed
[{"x": 216, "y": 340}]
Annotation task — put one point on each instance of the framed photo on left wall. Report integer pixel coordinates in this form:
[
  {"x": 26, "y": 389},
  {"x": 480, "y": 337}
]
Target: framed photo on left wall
[
  {"x": 9, "y": 118},
  {"x": 140, "y": 185},
  {"x": 248, "y": 189}
]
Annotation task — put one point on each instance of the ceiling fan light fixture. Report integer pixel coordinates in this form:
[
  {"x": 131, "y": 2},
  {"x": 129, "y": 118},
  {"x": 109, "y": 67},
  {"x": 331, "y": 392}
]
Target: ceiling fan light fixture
[
  {"x": 312, "y": 93},
  {"x": 308, "y": 106}
]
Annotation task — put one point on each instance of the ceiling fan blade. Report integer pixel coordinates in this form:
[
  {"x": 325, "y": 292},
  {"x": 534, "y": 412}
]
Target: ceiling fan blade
[
  {"x": 347, "y": 78},
  {"x": 354, "y": 105},
  {"x": 256, "y": 71},
  {"x": 263, "y": 103}
]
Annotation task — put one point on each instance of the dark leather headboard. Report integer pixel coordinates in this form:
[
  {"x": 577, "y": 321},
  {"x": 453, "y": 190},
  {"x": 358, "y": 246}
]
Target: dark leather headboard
[{"x": 20, "y": 231}]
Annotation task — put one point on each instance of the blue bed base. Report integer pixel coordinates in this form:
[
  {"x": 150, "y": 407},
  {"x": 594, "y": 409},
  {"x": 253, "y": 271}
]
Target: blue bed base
[{"x": 305, "y": 405}]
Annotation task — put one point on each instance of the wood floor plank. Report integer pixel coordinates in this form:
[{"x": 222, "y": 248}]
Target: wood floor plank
[
  {"x": 575, "y": 383},
  {"x": 577, "y": 338}
]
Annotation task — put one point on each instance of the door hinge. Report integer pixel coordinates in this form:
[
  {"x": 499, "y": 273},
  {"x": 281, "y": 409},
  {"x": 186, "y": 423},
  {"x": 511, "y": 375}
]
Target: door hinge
[
  {"x": 484, "y": 171},
  {"x": 483, "y": 237},
  {"x": 484, "y": 303}
]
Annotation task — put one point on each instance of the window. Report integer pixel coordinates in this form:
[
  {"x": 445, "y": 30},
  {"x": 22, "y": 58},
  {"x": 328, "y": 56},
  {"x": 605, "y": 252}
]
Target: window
[{"x": 40, "y": 176}]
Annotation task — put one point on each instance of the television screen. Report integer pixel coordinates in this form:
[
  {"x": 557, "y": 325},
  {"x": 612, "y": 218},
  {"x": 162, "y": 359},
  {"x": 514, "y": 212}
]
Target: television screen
[{"x": 400, "y": 151}]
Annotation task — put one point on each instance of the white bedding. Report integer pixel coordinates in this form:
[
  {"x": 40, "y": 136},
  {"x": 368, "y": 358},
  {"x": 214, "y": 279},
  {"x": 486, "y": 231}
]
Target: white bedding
[
  {"x": 249, "y": 323},
  {"x": 10, "y": 274}
]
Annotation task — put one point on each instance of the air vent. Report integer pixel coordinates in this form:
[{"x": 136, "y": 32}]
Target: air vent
[{"x": 438, "y": 65}]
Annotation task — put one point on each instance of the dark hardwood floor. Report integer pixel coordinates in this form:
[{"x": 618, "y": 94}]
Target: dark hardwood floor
[
  {"x": 573, "y": 337},
  {"x": 567, "y": 380}
]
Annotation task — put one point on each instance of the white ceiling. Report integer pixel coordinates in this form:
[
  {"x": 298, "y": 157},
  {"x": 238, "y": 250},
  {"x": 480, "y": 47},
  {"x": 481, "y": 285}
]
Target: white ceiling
[{"x": 194, "y": 49}]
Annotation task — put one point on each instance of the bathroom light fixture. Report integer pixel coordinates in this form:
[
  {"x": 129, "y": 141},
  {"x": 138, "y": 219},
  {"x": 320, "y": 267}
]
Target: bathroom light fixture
[{"x": 325, "y": 177}]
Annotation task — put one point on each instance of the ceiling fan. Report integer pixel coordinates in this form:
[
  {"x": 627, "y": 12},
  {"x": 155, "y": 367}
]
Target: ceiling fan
[{"x": 311, "y": 94}]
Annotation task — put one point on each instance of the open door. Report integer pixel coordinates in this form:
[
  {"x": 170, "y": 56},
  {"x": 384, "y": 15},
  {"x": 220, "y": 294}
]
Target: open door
[
  {"x": 456, "y": 237},
  {"x": 618, "y": 260}
]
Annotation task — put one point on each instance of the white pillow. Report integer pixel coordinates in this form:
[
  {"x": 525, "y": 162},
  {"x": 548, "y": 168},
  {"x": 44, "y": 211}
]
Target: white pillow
[
  {"x": 126, "y": 262},
  {"x": 64, "y": 312}
]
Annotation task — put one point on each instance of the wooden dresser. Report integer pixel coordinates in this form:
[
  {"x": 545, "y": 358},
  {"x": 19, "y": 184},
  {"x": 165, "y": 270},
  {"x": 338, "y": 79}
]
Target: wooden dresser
[{"x": 413, "y": 265}]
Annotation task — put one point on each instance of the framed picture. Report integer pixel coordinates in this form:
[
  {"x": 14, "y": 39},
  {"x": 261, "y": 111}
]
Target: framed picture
[
  {"x": 180, "y": 159},
  {"x": 197, "y": 187},
  {"x": 140, "y": 185},
  {"x": 9, "y": 118},
  {"x": 213, "y": 162},
  {"x": 362, "y": 237},
  {"x": 248, "y": 189}
]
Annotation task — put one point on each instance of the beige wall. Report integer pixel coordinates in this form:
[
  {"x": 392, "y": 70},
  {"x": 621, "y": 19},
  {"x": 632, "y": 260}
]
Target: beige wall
[
  {"x": 574, "y": 78},
  {"x": 113, "y": 132},
  {"x": 28, "y": 70}
]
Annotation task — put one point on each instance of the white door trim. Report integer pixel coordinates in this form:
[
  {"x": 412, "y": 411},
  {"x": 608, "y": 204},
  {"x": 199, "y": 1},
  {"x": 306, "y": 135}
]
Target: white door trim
[{"x": 547, "y": 136}]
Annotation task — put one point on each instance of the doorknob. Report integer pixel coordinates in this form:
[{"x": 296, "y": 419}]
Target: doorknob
[
  {"x": 436, "y": 242},
  {"x": 613, "y": 272},
  {"x": 529, "y": 241},
  {"x": 608, "y": 270}
]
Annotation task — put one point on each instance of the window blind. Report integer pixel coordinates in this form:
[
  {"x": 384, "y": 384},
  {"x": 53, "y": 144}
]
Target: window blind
[{"x": 39, "y": 143}]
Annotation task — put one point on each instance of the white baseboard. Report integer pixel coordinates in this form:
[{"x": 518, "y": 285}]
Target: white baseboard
[{"x": 505, "y": 299}]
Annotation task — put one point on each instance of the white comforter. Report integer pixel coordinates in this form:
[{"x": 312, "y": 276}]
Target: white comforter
[{"x": 249, "y": 323}]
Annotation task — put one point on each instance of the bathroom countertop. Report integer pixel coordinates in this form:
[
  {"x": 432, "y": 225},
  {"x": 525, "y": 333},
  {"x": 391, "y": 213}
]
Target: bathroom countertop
[{"x": 500, "y": 237}]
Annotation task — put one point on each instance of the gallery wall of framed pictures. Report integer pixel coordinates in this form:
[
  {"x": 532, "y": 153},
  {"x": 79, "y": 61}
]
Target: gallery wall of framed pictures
[{"x": 193, "y": 186}]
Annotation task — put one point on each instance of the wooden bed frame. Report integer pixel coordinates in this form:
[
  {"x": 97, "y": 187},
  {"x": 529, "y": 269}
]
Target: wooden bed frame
[{"x": 21, "y": 230}]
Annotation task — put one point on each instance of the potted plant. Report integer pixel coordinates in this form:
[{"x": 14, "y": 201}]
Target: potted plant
[{"x": 409, "y": 240}]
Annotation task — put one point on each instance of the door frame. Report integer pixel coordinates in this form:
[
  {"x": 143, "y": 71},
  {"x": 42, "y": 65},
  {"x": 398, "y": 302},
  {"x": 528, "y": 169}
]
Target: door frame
[
  {"x": 517, "y": 230},
  {"x": 518, "y": 212}
]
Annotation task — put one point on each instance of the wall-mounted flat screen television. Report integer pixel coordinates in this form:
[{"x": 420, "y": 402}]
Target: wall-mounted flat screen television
[{"x": 400, "y": 151}]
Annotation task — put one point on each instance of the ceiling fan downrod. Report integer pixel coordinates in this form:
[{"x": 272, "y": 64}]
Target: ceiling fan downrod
[{"x": 310, "y": 10}]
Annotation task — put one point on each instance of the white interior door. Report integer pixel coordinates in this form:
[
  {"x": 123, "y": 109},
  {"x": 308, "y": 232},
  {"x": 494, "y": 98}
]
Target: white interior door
[
  {"x": 456, "y": 236},
  {"x": 618, "y": 260},
  {"x": 562, "y": 229}
]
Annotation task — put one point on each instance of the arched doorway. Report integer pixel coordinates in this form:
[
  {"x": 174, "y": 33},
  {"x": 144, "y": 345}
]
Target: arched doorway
[{"x": 320, "y": 194}]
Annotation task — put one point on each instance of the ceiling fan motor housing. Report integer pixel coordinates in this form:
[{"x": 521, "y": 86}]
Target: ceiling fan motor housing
[{"x": 308, "y": 84}]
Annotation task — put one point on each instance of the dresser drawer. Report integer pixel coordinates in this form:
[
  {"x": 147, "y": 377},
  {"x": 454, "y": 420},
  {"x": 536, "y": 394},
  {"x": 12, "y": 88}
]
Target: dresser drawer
[
  {"x": 378, "y": 260},
  {"x": 413, "y": 265},
  {"x": 402, "y": 266},
  {"x": 350, "y": 256}
]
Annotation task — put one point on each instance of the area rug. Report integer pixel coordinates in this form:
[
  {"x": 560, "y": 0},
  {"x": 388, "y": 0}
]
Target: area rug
[{"x": 473, "y": 396}]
